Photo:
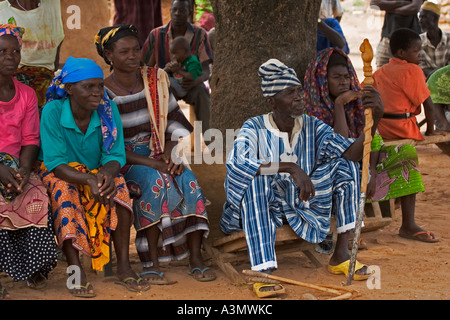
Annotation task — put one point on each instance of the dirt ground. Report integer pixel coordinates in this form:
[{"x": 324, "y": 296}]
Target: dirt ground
[{"x": 409, "y": 270}]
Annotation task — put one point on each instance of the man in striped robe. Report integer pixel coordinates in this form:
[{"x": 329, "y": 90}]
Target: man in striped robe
[{"x": 288, "y": 167}]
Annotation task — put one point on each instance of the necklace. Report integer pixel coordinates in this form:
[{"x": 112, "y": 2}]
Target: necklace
[
  {"x": 18, "y": 3},
  {"x": 120, "y": 87}
]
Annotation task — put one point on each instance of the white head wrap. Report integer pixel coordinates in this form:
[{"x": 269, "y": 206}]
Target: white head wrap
[{"x": 275, "y": 76}]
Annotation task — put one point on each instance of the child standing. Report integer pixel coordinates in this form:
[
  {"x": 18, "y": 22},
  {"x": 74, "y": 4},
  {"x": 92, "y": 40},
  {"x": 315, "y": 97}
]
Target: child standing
[
  {"x": 183, "y": 65},
  {"x": 403, "y": 89}
]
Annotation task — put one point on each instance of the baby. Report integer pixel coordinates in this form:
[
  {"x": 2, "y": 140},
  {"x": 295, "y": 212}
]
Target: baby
[{"x": 183, "y": 65}]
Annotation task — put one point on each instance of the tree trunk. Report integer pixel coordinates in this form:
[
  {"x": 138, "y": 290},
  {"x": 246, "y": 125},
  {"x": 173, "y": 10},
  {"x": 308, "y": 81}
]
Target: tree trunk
[{"x": 248, "y": 33}]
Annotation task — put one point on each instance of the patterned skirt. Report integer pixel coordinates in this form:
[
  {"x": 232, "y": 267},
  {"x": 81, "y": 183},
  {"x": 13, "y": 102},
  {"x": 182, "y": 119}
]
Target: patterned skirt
[
  {"x": 78, "y": 218},
  {"x": 397, "y": 173},
  {"x": 27, "y": 242},
  {"x": 175, "y": 205}
]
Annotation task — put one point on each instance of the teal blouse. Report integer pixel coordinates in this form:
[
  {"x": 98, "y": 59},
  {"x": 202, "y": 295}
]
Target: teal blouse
[{"x": 62, "y": 141}]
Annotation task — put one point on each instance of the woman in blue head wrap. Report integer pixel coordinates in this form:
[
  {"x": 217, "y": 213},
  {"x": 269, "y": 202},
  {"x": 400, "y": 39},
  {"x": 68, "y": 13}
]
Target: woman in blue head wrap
[{"x": 82, "y": 152}]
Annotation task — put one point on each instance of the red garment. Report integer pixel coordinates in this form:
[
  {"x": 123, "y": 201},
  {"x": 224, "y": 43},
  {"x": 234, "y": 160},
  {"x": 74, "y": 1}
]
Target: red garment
[
  {"x": 403, "y": 89},
  {"x": 145, "y": 15}
]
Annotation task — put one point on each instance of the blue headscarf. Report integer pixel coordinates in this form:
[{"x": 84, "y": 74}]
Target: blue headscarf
[{"x": 79, "y": 69}]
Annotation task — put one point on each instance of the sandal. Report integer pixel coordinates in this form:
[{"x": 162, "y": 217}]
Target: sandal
[
  {"x": 125, "y": 283},
  {"x": 4, "y": 295},
  {"x": 415, "y": 236},
  {"x": 202, "y": 278},
  {"x": 82, "y": 295},
  {"x": 343, "y": 267},
  {"x": 269, "y": 293},
  {"x": 161, "y": 281},
  {"x": 37, "y": 281}
]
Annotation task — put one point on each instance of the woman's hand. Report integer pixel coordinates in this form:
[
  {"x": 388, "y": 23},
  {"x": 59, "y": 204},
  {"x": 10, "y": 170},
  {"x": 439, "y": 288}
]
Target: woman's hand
[
  {"x": 347, "y": 97},
  {"x": 10, "y": 178},
  {"x": 174, "y": 166},
  {"x": 103, "y": 188},
  {"x": 23, "y": 177}
]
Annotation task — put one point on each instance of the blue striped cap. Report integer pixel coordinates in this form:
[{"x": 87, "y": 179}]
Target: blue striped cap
[{"x": 276, "y": 76}]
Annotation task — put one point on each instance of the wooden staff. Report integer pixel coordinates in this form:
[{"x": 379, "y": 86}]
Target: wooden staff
[
  {"x": 257, "y": 276},
  {"x": 367, "y": 56}
]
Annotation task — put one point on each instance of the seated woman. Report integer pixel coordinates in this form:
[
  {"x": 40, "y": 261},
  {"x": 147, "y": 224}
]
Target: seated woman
[
  {"x": 27, "y": 246},
  {"x": 332, "y": 94},
  {"x": 83, "y": 151},
  {"x": 169, "y": 204}
]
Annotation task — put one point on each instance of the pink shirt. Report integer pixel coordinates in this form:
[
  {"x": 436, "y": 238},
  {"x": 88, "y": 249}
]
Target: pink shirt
[{"x": 19, "y": 119}]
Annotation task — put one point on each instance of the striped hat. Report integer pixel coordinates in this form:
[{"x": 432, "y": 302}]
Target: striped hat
[{"x": 275, "y": 76}]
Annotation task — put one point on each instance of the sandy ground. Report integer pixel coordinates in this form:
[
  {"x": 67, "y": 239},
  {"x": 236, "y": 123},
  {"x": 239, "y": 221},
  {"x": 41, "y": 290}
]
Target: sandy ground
[{"x": 407, "y": 269}]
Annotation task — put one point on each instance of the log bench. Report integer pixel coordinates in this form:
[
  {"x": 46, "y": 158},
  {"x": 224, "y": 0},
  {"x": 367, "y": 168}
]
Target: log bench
[
  {"x": 441, "y": 141},
  {"x": 233, "y": 248}
]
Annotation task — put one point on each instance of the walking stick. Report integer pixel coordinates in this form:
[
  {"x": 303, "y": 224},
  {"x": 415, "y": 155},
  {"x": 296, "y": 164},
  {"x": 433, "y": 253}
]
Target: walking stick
[
  {"x": 257, "y": 276},
  {"x": 367, "y": 56}
]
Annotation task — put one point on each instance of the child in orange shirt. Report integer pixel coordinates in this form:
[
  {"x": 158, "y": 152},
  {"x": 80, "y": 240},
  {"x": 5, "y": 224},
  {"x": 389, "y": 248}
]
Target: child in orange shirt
[{"x": 403, "y": 89}]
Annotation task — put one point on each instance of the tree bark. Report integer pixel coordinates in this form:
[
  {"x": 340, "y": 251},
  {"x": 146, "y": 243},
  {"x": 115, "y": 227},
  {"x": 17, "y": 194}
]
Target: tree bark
[{"x": 248, "y": 33}]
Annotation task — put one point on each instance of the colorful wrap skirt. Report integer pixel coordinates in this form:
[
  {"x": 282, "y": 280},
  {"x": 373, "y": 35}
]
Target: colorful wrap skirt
[
  {"x": 27, "y": 242},
  {"x": 176, "y": 205},
  {"x": 397, "y": 171},
  {"x": 78, "y": 218}
]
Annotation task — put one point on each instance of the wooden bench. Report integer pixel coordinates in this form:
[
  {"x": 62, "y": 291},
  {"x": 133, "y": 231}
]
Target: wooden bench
[
  {"x": 439, "y": 140},
  {"x": 233, "y": 248}
]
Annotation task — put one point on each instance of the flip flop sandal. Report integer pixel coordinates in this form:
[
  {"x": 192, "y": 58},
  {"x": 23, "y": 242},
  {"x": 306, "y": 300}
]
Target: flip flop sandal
[
  {"x": 4, "y": 294},
  {"x": 160, "y": 281},
  {"x": 32, "y": 282},
  {"x": 124, "y": 283},
  {"x": 203, "y": 278},
  {"x": 269, "y": 293},
  {"x": 343, "y": 269},
  {"x": 82, "y": 295},
  {"x": 414, "y": 236}
]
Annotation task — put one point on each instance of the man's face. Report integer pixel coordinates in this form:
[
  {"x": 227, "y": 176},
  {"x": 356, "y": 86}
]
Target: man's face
[
  {"x": 179, "y": 13},
  {"x": 290, "y": 101},
  {"x": 428, "y": 20}
]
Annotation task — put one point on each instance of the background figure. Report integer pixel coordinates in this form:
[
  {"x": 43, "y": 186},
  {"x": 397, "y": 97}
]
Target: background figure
[
  {"x": 438, "y": 84},
  {"x": 27, "y": 245},
  {"x": 331, "y": 9},
  {"x": 399, "y": 14},
  {"x": 435, "y": 42},
  {"x": 144, "y": 14},
  {"x": 183, "y": 65},
  {"x": 330, "y": 34},
  {"x": 204, "y": 16},
  {"x": 42, "y": 40},
  {"x": 155, "y": 52}
]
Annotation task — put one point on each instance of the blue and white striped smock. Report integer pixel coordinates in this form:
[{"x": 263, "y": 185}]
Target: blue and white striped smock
[{"x": 258, "y": 204}]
